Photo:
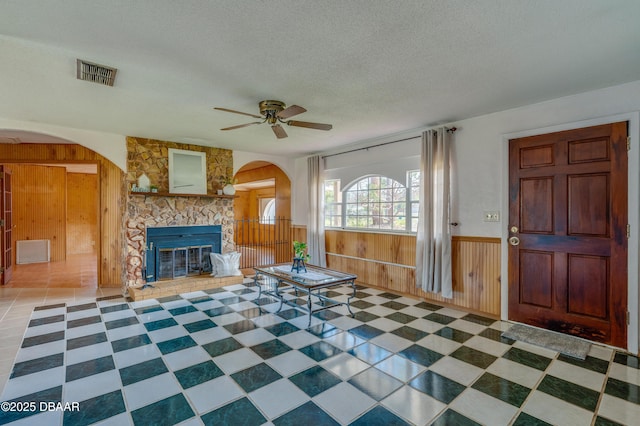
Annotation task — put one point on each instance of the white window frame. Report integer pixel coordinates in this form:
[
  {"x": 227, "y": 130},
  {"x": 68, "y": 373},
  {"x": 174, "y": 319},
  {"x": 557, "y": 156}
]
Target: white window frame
[
  {"x": 267, "y": 206},
  {"x": 336, "y": 207},
  {"x": 409, "y": 203}
]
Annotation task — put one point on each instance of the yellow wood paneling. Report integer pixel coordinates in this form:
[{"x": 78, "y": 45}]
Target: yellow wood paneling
[
  {"x": 392, "y": 248},
  {"x": 39, "y": 206},
  {"x": 112, "y": 199},
  {"x": 299, "y": 233},
  {"x": 82, "y": 213},
  {"x": 388, "y": 261}
]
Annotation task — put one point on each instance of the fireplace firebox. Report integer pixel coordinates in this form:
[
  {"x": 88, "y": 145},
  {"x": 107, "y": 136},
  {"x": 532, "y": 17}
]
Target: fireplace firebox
[{"x": 180, "y": 251}]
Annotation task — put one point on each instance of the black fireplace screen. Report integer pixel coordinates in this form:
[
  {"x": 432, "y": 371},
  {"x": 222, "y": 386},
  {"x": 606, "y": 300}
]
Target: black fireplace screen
[
  {"x": 181, "y": 251},
  {"x": 183, "y": 261}
]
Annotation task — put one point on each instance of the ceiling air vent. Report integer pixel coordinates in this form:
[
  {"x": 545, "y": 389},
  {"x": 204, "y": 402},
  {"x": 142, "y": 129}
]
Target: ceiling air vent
[{"x": 96, "y": 73}]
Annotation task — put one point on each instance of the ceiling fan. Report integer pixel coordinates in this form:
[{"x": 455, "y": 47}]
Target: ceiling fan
[{"x": 274, "y": 113}]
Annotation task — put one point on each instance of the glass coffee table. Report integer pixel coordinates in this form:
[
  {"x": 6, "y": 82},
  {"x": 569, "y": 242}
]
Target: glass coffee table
[{"x": 271, "y": 279}]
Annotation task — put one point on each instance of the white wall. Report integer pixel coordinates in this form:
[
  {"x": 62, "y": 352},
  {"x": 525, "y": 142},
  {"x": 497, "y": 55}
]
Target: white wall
[
  {"x": 479, "y": 145},
  {"x": 477, "y": 152},
  {"x": 109, "y": 145},
  {"x": 481, "y": 170},
  {"x": 287, "y": 165},
  {"x": 390, "y": 160},
  {"x": 114, "y": 147}
]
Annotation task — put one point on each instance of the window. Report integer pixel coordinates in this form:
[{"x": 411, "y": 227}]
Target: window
[
  {"x": 332, "y": 204},
  {"x": 373, "y": 202},
  {"x": 267, "y": 210},
  {"x": 376, "y": 202}
]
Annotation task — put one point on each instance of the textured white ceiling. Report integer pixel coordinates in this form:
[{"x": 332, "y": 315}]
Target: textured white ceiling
[{"x": 369, "y": 67}]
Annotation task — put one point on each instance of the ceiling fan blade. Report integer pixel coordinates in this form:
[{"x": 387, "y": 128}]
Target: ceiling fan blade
[
  {"x": 290, "y": 112},
  {"x": 279, "y": 131},
  {"x": 242, "y": 125},
  {"x": 237, "y": 112},
  {"x": 317, "y": 126}
]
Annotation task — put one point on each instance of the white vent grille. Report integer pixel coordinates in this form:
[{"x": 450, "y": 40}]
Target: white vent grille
[
  {"x": 96, "y": 73},
  {"x": 32, "y": 251}
]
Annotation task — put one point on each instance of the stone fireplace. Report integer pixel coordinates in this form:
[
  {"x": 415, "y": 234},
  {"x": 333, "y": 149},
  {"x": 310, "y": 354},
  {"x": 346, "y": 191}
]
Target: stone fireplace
[
  {"x": 175, "y": 214},
  {"x": 164, "y": 209}
]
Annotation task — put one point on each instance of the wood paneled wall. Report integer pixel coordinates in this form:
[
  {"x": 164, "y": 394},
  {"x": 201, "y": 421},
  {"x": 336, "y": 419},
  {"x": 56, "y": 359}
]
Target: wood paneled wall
[
  {"x": 112, "y": 199},
  {"x": 298, "y": 233},
  {"x": 39, "y": 206},
  {"x": 82, "y": 213},
  {"x": 388, "y": 261}
]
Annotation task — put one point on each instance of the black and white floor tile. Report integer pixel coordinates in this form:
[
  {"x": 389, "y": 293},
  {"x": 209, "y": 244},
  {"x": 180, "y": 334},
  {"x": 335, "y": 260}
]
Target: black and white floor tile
[{"x": 225, "y": 357}]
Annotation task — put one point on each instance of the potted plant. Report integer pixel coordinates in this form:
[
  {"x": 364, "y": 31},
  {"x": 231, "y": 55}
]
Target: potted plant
[{"x": 300, "y": 255}]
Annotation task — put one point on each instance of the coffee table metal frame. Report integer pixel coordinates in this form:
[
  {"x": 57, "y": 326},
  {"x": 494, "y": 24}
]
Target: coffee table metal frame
[{"x": 277, "y": 274}]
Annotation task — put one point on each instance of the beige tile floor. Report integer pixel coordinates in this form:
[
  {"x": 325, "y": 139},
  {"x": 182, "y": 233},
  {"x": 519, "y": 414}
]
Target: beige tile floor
[{"x": 71, "y": 281}]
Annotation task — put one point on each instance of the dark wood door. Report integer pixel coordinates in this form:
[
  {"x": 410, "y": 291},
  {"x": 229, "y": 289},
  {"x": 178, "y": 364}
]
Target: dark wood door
[
  {"x": 7, "y": 224},
  {"x": 568, "y": 232}
]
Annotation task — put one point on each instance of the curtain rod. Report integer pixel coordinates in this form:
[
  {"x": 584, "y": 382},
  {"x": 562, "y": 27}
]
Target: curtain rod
[{"x": 451, "y": 130}]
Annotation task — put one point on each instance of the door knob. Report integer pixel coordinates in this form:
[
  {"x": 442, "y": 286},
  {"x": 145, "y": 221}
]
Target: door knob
[{"x": 514, "y": 241}]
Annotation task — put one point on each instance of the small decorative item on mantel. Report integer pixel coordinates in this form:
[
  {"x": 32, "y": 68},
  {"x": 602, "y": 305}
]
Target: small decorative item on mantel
[
  {"x": 144, "y": 183},
  {"x": 227, "y": 183},
  {"x": 153, "y": 188},
  {"x": 299, "y": 256}
]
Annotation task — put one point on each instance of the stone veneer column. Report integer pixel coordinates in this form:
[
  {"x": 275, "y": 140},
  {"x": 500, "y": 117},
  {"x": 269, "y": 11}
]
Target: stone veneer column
[{"x": 158, "y": 210}]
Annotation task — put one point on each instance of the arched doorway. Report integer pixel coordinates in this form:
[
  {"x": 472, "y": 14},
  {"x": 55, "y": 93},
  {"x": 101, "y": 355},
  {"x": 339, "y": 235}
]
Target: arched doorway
[
  {"x": 31, "y": 149},
  {"x": 262, "y": 214}
]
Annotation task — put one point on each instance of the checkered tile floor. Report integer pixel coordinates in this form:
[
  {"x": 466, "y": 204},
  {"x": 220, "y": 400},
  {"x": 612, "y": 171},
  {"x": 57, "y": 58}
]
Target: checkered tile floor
[{"x": 222, "y": 357}]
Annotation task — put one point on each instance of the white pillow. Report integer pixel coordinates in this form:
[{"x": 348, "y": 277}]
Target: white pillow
[{"x": 225, "y": 265}]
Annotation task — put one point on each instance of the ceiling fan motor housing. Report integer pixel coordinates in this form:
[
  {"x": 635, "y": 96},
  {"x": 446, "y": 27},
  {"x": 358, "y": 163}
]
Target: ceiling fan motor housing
[{"x": 270, "y": 108}]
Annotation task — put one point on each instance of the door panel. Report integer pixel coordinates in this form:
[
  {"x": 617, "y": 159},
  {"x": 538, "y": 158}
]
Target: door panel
[
  {"x": 536, "y": 278},
  {"x": 568, "y": 212},
  {"x": 587, "y": 286},
  {"x": 537, "y": 205},
  {"x": 588, "y": 205}
]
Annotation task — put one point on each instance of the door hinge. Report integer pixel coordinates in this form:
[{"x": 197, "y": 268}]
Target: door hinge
[
  {"x": 628, "y": 231},
  {"x": 628, "y": 143},
  {"x": 1, "y": 223},
  {"x": 628, "y": 318}
]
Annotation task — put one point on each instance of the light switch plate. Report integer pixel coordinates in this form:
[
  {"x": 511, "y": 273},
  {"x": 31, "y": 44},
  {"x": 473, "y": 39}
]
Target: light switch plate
[{"x": 492, "y": 216}]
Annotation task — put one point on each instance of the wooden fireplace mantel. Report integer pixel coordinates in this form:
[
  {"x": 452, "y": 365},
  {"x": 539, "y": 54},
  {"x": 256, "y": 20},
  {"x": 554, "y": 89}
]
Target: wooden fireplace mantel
[{"x": 169, "y": 194}]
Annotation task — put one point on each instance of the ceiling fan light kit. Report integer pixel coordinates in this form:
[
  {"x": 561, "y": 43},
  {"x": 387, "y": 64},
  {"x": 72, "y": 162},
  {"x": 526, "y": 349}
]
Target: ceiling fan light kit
[{"x": 274, "y": 113}]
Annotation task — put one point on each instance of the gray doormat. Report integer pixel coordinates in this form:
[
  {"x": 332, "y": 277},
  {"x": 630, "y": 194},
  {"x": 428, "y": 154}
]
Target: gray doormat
[{"x": 568, "y": 345}]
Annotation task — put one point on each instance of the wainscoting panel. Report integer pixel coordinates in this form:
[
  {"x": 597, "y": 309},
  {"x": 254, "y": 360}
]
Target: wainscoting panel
[
  {"x": 390, "y": 248},
  {"x": 388, "y": 261}
]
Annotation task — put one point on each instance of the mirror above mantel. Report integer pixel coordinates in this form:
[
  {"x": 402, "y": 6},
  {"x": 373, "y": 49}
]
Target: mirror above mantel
[{"x": 187, "y": 172}]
